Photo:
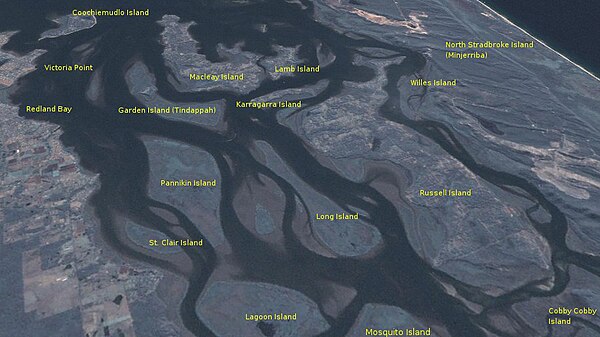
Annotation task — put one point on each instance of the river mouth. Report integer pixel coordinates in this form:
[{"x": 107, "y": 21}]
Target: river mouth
[{"x": 113, "y": 146}]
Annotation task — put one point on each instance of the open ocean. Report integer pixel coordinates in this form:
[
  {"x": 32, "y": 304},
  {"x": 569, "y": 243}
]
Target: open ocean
[{"x": 571, "y": 27}]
